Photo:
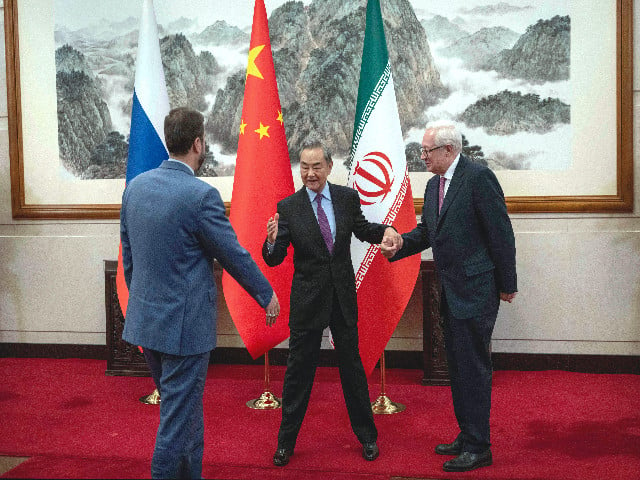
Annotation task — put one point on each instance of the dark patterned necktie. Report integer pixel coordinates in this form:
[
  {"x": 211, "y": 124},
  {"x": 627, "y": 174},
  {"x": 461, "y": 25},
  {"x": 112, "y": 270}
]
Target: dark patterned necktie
[
  {"x": 323, "y": 222},
  {"x": 441, "y": 193}
]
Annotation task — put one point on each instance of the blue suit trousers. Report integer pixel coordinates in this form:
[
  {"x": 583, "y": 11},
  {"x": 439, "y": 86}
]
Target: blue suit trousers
[{"x": 180, "y": 438}]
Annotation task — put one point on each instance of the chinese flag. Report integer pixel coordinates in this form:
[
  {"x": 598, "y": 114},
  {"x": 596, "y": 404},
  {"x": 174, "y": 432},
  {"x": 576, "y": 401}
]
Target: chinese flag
[{"x": 262, "y": 178}]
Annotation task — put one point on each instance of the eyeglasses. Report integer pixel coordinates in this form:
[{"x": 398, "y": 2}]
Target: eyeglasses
[{"x": 426, "y": 151}]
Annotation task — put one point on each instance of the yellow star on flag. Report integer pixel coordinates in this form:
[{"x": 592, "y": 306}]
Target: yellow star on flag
[
  {"x": 242, "y": 125},
  {"x": 280, "y": 119},
  {"x": 263, "y": 130},
  {"x": 252, "y": 68}
]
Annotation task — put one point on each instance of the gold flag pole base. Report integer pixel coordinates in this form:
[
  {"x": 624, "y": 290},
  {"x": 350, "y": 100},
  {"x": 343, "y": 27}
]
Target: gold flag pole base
[
  {"x": 151, "y": 399},
  {"x": 384, "y": 406},
  {"x": 267, "y": 401}
]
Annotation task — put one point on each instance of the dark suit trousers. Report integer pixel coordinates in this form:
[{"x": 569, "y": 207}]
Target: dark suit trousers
[
  {"x": 467, "y": 342},
  {"x": 304, "y": 353},
  {"x": 180, "y": 438}
]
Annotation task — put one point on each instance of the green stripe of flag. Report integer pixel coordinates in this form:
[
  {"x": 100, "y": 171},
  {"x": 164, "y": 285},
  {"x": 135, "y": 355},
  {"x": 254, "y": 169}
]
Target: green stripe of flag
[{"x": 375, "y": 60}]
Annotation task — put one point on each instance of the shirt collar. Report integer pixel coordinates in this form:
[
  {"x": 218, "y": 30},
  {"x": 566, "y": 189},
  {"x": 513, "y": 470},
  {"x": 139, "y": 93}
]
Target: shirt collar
[
  {"x": 326, "y": 193},
  {"x": 188, "y": 166},
  {"x": 449, "y": 173}
]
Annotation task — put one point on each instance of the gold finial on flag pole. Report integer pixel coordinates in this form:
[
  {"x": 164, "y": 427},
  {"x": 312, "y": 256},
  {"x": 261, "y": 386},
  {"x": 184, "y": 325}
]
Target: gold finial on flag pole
[
  {"x": 267, "y": 401},
  {"x": 383, "y": 405}
]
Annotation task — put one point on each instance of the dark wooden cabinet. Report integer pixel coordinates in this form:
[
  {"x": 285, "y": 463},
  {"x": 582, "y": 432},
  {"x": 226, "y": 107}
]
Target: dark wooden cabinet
[
  {"x": 435, "y": 359},
  {"x": 122, "y": 357}
]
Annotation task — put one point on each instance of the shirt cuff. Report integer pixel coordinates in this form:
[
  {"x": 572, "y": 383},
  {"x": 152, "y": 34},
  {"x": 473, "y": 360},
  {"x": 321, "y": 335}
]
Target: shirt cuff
[{"x": 270, "y": 247}]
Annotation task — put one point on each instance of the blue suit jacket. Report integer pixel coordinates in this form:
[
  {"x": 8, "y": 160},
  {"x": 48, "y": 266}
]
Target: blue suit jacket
[
  {"x": 172, "y": 226},
  {"x": 472, "y": 240}
]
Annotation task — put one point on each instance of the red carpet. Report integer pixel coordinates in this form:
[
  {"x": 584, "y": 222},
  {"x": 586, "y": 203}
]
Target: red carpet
[{"x": 75, "y": 422}]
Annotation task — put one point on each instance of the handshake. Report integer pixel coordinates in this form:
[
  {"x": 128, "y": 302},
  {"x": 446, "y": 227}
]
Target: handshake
[{"x": 391, "y": 243}]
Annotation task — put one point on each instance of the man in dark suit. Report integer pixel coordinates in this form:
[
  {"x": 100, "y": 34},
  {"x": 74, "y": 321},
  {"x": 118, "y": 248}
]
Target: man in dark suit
[
  {"x": 172, "y": 227},
  {"x": 318, "y": 221},
  {"x": 465, "y": 222}
]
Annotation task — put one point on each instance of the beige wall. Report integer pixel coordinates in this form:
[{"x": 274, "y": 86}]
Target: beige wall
[{"x": 578, "y": 276}]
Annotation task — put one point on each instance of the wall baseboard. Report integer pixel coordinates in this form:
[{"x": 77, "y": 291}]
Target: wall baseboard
[
  {"x": 53, "y": 350},
  {"x": 570, "y": 363},
  {"x": 394, "y": 358}
]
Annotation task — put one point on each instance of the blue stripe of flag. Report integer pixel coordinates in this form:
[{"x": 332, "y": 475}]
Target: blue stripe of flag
[{"x": 146, "y": 149}]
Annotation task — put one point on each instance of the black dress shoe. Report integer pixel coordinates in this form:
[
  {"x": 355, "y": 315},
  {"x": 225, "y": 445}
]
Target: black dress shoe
[
  {"x": 454, "y": 448},
  {"x": 468, "y": 461},
  {"x": 281, "y": 457},
  {"x": 370, "y": 451}
]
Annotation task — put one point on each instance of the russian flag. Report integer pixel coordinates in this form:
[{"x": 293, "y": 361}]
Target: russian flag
[{"x": 150, "y": 105}]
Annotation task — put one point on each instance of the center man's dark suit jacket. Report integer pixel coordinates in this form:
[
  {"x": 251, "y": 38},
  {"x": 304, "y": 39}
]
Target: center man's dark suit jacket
[
  {"x": 472, "y": 240},
  {"x": 316, "y": 272}
]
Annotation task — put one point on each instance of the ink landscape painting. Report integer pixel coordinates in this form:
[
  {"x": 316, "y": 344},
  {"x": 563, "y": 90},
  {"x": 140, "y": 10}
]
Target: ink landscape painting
[{"x": 501, "y": 70}]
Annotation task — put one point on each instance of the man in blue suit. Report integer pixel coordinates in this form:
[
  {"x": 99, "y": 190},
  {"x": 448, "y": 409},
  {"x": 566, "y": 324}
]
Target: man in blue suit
[
  {"x": 465, "y": 222},
  {"x": 172, "y": 227}
]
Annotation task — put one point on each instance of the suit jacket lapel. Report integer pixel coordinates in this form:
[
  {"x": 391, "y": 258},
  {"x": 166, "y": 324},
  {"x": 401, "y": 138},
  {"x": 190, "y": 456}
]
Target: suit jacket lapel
[{"x": 454, "y": 187}]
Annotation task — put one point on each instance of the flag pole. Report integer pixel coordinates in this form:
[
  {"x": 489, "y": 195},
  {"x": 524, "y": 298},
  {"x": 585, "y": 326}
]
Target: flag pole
[
  {"x": 150, "y": 105},
  {"x": 261, "y": 129},
  {"x": 383, "y": 405},
  {"x": 266, "y": 401}
]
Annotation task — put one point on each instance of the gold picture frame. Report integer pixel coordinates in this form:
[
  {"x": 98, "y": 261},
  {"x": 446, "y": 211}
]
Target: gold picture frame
[{"x": 619, "y": 201}]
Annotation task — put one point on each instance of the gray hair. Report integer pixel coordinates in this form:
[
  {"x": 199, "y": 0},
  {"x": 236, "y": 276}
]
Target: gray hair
[
  {"x": 313, "y": 144},
  {"x": 446, "y": 133}
]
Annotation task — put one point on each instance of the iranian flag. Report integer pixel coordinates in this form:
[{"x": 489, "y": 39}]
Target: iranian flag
[{"x": 379, "y": 173}]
